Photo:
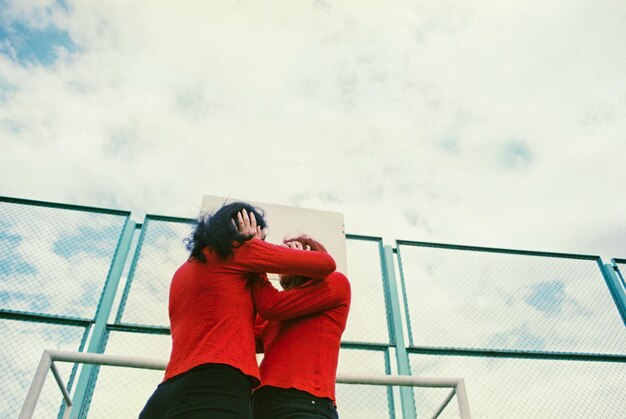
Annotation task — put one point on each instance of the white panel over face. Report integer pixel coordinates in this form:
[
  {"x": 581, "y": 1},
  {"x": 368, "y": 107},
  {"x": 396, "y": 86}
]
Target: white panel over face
[{"x": 285, "y": 221}]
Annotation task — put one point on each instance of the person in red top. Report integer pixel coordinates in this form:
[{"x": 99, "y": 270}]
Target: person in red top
[
  {"x": 299, "y": 330},
  {"x": 212, "y": 367}
]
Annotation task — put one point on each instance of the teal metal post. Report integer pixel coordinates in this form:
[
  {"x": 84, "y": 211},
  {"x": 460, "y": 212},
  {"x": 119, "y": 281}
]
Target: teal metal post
[
  {"x": 407, "y": 398},
  {"x": 80, "y": 399},
  {"x": 615, "y": 286}
]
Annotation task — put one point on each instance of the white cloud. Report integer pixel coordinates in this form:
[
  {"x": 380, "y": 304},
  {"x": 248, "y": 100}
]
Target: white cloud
[{"x": 397, "y": 116}]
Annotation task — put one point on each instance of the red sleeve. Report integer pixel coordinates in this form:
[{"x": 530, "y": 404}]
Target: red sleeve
[
  {"x": 255, "y": 255},
  {"x": 272, "y": 304},
  {"x": 259, "y": 325}
]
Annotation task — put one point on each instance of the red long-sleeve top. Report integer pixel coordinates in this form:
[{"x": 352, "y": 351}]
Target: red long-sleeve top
[
  {"x": 302, "y": 333},
  {"x": 210, "y": 304}
]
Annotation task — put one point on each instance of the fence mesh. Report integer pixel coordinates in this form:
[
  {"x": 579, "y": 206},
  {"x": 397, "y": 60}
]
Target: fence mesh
[
  {"x": 53, "y": 260},
  {"x": 475, "y": 299},
  {"x": 367, "y": 321},
  {"x": 363, "y": 401},
  {"x": 524, "y": 388},
  {"x": 22, "y": 346},
  {"x": 161, "y": 251},
  {"x": 122, "y": 392}
]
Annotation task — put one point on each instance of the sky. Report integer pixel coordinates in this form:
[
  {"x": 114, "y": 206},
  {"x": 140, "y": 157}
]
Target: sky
[{"x": 490, "y": 123}]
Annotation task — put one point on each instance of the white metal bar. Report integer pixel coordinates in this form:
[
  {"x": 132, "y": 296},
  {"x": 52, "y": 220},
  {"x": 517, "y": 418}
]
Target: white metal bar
[
  {"x": 398, "y": 380},
  {"x": 32, "y": 397},
  {"x": 110, "y": 360},
  {"x": 59, "y": 380},
  {"x": 49, "y": 356},
  {"x": 461, "y": 396},
  {"x": 444, "y": 404}
]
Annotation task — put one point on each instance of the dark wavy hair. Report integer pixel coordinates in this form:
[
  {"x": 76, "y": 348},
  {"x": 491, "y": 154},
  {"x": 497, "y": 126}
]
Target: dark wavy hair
[{"x": 218, "y": 232}]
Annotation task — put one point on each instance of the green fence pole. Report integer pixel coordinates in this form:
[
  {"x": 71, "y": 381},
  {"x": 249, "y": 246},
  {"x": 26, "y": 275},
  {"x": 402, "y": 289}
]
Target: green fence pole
[
  {"x": 80, "y": 398},
  {"x": 407, "y": 399},
  {"x": 609, "y": 271}
]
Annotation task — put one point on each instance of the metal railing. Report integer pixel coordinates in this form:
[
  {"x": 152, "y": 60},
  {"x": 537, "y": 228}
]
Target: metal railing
[{"x": 49, "y": 357}]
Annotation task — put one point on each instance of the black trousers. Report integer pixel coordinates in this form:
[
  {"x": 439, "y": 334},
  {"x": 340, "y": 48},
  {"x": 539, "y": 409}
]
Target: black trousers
[
  {"x": 207, "y": 391},
  {"x": 289, "y": 403}
]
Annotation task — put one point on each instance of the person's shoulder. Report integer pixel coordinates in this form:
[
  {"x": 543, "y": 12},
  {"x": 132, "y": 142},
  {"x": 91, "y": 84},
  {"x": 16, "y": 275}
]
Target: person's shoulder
[
  {"x": 338, "y": 276},
  {"x": 338, "y": 280}
]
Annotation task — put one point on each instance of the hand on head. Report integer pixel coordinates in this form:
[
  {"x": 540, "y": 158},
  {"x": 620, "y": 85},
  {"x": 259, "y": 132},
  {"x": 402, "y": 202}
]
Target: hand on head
[
  {"x": 305, "y": 242},
  {"x": 294, "y": 244},
  {"x": 247, "y": 227}
]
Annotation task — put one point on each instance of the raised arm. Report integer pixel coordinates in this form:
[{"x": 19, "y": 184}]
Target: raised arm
[
  {"x": 255, "y": 255},
  {"x": 314, "y": 297}
]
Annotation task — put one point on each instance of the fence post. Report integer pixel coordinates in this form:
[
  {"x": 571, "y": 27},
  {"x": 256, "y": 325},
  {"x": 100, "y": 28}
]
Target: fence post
[
  {"x": 615, "y": 287},
  {"x": 407, "y": 398},
  {"x": 81, "y": 399}
]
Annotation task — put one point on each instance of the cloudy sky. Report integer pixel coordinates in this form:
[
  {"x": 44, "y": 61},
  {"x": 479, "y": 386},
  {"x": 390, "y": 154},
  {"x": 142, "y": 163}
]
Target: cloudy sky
[{"x": 493, "y": 122}]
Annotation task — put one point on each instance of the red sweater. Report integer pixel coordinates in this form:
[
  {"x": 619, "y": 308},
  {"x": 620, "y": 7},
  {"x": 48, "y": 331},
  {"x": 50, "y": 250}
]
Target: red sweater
[
  {"x": 210, "y": 305},
  {"x": 302, "y": 337}
]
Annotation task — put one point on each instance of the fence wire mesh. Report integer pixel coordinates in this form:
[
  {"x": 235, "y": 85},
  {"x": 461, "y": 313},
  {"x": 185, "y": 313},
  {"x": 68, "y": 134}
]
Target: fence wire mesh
[
  {"x": 474, "y": 299},
  {"x": 54, "y": 260},
  {"x": 160, "y": 252},
  {"x": 525, "y": 388},
  {"x": 22, "y": 346},
  {"x": 368, "y": 321},
  {"x": 364, "y": 401},
  {"x": 122, "y": 392}
]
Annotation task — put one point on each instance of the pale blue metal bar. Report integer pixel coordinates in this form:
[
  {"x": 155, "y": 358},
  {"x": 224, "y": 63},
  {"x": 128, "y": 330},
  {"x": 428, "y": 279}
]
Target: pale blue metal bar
[
  {"x": 611, "y": 276},
  {"x": 81, "y": 399},
  {"x": 620, "y": 274},
  {"x": 407, "y": 399}
]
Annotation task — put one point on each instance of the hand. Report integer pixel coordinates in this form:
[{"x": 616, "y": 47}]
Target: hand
[
  {"x": 307, "y": 241},
  {"x": 296, "y": 245},
  {"x": 247, "y": 227}
]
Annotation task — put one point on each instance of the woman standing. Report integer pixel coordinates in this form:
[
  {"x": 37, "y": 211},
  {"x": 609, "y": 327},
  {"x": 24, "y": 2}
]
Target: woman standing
[
  {"x": 212, "y": 367},
  {"x": 301, "y": 337}
]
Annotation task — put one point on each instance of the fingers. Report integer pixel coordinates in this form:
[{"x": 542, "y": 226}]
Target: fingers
[
  {"x": 308, "y": 242},
  {"x": 252, "y": 222},
  {"x": 294, "y": 245},
  {"x": 247, "y": 225},
  {"x": 240, "y": 223},
  {"x": 297, "y": 245},
  {"x": 259, "y": 233}
]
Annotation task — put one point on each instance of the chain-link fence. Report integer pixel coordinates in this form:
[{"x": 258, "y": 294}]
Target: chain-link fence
[
  {"x": 54, "y": 261},
  {"x": 534, "y": 334},
  {"x": 160, "y": 251},
  {"x": 526, "y": 388}
]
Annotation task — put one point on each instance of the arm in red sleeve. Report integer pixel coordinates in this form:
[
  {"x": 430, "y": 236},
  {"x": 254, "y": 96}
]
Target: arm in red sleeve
[
  {"x": 272, "y": 304},
  {"x": 255, "y": 255},
  {"x": 259, "y": 324}
]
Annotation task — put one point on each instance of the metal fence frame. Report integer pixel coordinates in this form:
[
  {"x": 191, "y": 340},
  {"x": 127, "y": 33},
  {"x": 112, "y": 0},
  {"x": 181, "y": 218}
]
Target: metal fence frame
[
  {"x": 93, "y": 326},
  {"x": 620, "y": 277},
  {"x": 609, "y": 275}
]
